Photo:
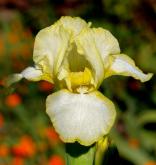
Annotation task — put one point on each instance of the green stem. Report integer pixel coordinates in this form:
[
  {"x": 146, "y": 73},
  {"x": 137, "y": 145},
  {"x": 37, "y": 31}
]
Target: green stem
[
  {"x": 77, "y": 154},
  {"x": 101, "y": 148}
]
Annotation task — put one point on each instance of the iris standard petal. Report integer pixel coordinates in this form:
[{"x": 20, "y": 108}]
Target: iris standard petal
[
  {"x": 85, "y": 118},
  {"x": 123, "y": 65},
  {"x": 50, "y": 47},
  {"x": 105, "y": 42},
  {"x": 73, "y": 24},
  {"x": 86, "y": 46}
]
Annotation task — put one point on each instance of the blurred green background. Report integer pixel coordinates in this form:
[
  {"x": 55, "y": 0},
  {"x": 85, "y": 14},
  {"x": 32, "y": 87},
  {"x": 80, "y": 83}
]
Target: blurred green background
[{"x": 26, "y": 134}]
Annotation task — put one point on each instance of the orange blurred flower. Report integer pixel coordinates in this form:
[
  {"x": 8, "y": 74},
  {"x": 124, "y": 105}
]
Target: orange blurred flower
[
  {"x": 16, "y": 25},
  {"x": 26, "y": 51},
  {"x": 150, "y": 163},
  {"x": 51, "y": 134},
  {"x": 2, "y": 83},
  {"x": 1, "y": 120},
  {"x": 13, "y": 100},
  {"x": 45, "y": 86},
  {"x": 18, "y": 65},
  {"x": 27, "y": 34},
  {"x": 56, "y": 160},
  {"x": 134, "y": 143},
  {"x": 4, "y": 150},
  {"x": 13, "y": 37},
  {"x": 17, "y": 161},
  {"x": 25, "y": 148},
  {"x": 1, "y": 47}
]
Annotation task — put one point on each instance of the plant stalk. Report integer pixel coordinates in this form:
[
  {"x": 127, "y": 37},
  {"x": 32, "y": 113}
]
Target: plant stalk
[{"x": 77, "y": 154}]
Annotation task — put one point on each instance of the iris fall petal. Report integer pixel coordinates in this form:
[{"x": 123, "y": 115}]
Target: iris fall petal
[
  {"x": 123, "y": 65},
  {"x": 30, "y": 73},
  {"x": 80, "y": 117}
]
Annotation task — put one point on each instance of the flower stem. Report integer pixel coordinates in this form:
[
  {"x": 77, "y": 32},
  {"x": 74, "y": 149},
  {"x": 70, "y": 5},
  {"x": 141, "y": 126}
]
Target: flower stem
[
  {"x": 101, "y": 148},
  {"x": 77, "y": 154}
]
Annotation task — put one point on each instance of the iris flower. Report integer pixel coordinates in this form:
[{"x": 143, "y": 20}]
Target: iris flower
[{"x": 77, "y": 58}]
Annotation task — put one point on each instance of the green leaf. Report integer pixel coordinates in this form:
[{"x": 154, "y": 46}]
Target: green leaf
[{"x": 147, "y": 117}]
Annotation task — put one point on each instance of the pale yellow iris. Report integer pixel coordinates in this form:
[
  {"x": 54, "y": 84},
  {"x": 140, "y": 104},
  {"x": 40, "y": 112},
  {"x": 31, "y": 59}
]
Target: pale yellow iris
[{"x": 77, "y": 58}]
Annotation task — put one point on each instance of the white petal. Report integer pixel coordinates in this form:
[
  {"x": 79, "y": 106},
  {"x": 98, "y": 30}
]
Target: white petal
[
  {"x": 86, "y": 46},
  {"x": 74, "y": 24},
  {"x": 50, "y": 46},
  {"x": 13, "y": 79},
  {"x": 85, "y": 118},
  {"x": 105, "y": 42},
  {"x": 32, "y": 74},
  {"x": 97, "y": 44},
  {"x": 124, "y": 65}
]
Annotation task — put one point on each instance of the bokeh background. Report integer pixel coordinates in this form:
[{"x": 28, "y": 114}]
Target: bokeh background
[{"x": 26, "y": 133}]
